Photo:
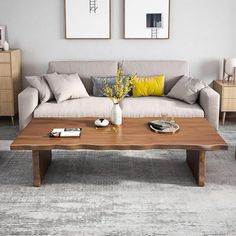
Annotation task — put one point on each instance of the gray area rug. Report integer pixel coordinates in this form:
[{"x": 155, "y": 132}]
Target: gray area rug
[
  {"x": 119, "y": 193},
  {"x": 8, "y": 132}
]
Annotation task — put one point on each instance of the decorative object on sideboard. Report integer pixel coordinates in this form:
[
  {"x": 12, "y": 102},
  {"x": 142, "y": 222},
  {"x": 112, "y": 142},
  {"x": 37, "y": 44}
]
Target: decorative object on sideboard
[
  {"x": 117, "y": 92},
  {"x": 2, "y": 36},
  {"x": 88, "y": 21},
  {"x": 6, "y": 46},
  {"x": 146, "y": 19},
  {"x": 229, "y": 69}
]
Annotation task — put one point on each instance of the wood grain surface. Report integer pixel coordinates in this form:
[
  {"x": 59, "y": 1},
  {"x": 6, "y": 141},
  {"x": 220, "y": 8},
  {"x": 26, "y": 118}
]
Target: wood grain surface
[
  {"x": 41, "y": 162},
  {"x": 133, "y": 134},
  {"x": 196, "y": 161},
  {"x": 10, "y": 82}
]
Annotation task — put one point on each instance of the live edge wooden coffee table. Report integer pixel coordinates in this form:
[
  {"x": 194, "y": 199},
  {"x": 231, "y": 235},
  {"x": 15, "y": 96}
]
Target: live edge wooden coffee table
[{"x": 196, "y": 136}]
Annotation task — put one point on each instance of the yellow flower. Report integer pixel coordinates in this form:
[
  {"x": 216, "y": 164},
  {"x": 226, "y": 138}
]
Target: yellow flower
[{"x": 121, "y": 88}]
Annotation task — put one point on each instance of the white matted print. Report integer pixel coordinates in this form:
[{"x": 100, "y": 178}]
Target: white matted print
[
  {"x": 87, "y": 19},
  {"x": 147, "y": 19}
]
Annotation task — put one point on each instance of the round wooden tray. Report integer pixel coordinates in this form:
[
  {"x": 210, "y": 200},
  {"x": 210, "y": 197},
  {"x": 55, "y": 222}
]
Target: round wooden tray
[{"x": 173, "y": 129}]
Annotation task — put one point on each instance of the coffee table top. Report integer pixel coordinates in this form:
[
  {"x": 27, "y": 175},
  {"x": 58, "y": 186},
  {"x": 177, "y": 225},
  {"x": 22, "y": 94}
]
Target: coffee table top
[{"x": 133, "y": 134}]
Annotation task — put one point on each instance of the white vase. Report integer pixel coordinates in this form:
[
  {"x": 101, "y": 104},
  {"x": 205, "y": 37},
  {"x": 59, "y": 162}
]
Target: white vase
[
  {"x": 116, "y": 115},
  {"x": 6, "y": 46}
]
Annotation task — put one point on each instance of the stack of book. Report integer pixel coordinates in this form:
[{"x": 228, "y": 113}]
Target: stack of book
[{"x": 65, "y": 132}]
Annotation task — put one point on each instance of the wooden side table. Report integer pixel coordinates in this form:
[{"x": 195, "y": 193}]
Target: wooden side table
[
  {"x": 10, "y": 82},
  {"x": 227, "y": 91}
]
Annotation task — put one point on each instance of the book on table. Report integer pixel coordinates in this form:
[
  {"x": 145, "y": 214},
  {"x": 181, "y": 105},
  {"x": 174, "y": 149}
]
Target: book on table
[{"x": 65, "y": 132}]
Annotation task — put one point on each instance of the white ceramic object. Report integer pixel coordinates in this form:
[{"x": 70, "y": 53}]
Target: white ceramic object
[
  {"x": 230, "y": 65},
  {"x": 116, "y": 115},
  {"x": 6, "y": 46},
  {"x": 101, "y": 122}
]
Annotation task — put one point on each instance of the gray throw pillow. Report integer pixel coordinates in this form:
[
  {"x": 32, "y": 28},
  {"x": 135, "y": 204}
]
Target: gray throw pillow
[
  {"x": 38, "y": 82},
  {"x": 98, "y": 84},
  {"x": 187, "y": 89},
  {"x": 66, "y": 87}
]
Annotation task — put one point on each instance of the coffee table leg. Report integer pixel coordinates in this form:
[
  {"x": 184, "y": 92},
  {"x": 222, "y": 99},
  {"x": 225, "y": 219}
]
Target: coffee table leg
[
  {"x": 196, "y": 161},
  {"x": 41, "y": 162}
]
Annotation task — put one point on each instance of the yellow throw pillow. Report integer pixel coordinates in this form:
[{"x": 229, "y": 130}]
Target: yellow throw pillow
[{"x": 149, "y": 86}]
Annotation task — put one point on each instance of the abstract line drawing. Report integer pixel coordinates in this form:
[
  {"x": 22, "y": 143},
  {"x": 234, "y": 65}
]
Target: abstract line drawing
[
  {"x": 146, "y": 19},
  {"x": 154, "y": 21},
  {"x": 154, "y": 33},
  {"x": 93, "y": 6},
  {"x": 87, "y": 19}
]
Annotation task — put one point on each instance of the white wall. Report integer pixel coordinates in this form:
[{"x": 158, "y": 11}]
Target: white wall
[
  {"x": 202, "y": 32},
  {"x": 234, "y": 30}
]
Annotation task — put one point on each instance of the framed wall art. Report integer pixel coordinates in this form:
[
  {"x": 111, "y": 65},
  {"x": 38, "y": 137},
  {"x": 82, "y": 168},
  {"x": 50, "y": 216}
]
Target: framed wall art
[
  {"x": 2, "y": 36},
  {"x": 88, "y": 19},
  {"x": 146, "y": 19}
]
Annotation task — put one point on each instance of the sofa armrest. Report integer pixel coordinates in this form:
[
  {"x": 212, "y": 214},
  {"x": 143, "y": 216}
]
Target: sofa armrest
[
  {"x": 27, "y": 102},
  {"x": 210, "y": 102}
]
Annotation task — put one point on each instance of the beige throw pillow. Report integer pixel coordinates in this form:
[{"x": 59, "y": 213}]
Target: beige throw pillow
[
  {"x": 38, "y": 82},
  {"x": 66, "y": 87},
  {"x": 187, "y": 89}
]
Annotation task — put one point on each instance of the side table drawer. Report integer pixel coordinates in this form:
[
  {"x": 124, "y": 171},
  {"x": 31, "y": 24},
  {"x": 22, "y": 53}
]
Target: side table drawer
[
  {"x": 228, "y": 105},
  {"x": 7, "y": 108},
  {"x": 5, "y": 70},
  {"x": 6, "y": 96},
  {"x": 5, "y": 57},
  {"x": 6, "y": 83},
  {"x": 230, "y": 92}
]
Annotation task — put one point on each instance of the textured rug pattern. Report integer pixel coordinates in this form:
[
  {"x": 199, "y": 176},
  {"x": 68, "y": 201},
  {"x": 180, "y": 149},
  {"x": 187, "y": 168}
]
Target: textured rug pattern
[
  {"x": 117, "y": 193},
  {"x": 8, "y": 132}
]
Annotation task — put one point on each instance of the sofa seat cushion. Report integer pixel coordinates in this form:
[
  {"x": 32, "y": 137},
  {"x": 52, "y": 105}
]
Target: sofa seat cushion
[
  {"x": 154, "y": 106},
  {"x": 82, "y": 107},
  {"x": 131, "y": 107}
]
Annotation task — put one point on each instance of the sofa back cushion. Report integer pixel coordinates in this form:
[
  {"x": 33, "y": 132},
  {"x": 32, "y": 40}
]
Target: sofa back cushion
[
  {"x": 85, "y": 69},
  {"x": 148, "y": 86},
  {"x": 187, "y": 89},
  {"x": 39, "y": 82},
  {"x": 173, "y": 70},
  {"x": 65, "y": 87}
]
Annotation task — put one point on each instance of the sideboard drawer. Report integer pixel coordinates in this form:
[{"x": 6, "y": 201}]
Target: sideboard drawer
[
  {"x": 228, "y": 105},
  {"x": 5, "y": 57},
  {"x": 230, "y": 92},
  {"x": 5, "y": 83},
  {"x": 5, "y": 70},
  {"x": 7, "y": 108},
  {"x": 6, "y": 96}
]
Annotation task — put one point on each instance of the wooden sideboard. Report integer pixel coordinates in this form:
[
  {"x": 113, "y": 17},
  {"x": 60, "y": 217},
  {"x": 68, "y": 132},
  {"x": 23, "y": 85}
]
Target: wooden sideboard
[
  {"x": 227, "y": 91},
  {"x": 10, "y": 82}
]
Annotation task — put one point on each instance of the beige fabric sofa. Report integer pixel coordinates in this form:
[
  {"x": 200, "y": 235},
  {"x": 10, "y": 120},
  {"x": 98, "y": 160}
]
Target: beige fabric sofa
[{"x": 207, "y": 106}]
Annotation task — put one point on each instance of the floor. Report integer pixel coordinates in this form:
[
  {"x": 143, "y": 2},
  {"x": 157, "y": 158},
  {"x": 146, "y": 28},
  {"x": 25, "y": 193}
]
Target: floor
[{"x": 117, "y": 193}]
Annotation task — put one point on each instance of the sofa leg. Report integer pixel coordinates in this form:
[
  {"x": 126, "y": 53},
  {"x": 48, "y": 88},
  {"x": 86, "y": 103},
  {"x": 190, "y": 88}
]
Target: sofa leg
[{"x": 223, "y": 118}]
